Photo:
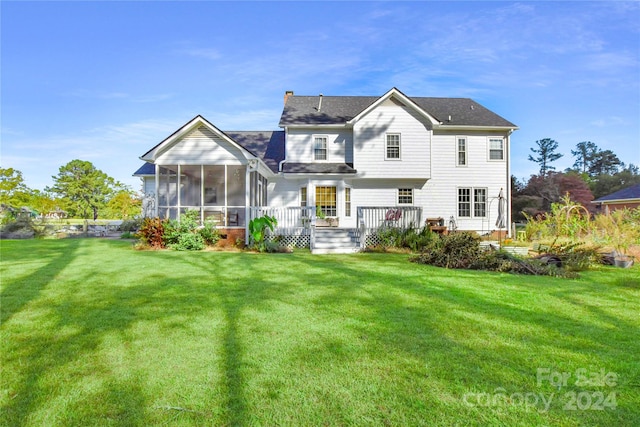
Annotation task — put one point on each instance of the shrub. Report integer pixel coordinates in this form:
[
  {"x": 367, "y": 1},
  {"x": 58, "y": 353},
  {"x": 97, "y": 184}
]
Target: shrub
[
  {"x": 183, "y": 234},
  {"x": 188, "y": 241},
  {"x": 151, "y": 233},
  {"x": 408, "y": 238},
  {"x": 209, "y": 233}
]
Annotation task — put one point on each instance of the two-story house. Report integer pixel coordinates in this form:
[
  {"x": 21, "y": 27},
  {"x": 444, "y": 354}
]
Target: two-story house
[{"x": 337, "y": 156}]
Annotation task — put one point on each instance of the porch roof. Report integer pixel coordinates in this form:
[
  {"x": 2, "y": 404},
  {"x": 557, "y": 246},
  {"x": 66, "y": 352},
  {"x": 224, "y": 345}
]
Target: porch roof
[{"x": 326, "y": 168}]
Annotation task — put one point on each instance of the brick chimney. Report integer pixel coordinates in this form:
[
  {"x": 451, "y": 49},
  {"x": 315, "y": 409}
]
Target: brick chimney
[{"x": 287, "y": 94}]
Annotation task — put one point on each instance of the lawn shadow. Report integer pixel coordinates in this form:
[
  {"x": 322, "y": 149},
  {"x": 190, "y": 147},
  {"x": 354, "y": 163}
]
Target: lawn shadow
[
  {"x": 397, "y": 307},
  {"x": 18, "y": 293},
  {"x": 236, "y": 290}
]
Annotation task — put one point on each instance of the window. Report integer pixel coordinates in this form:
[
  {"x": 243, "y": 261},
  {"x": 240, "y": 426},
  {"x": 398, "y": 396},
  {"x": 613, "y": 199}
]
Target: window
[
  {"x": 326, "y": 200},
  {"x": 496, "y": 149},
  {"x": 303, "y": 196},
  {"x": 393, "y": 146},
  {"x": 320, "y": 147},
  {"x": 462, "y": 151},
  {"x": 464, "y": 202},
  {"x": 347, "y": 201},
  {"x": 303, "y": 201},
  {"x": 405, "y": 196},
  {"x": 479, "y": 202}
]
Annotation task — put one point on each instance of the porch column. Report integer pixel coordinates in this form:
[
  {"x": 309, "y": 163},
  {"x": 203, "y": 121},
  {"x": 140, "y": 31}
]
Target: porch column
[
  {"x": 157, "y": 196},
  {"x": 247, "y": 202},
  {"x": 178, "y": 193},
  {"x": 225, "y": 195},
  {"x": 202, "y": 194}
]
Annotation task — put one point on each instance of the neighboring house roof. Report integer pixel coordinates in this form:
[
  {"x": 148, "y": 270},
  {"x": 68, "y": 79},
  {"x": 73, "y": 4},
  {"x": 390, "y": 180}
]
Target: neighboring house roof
[
  {"x": 337, "y": 110},
  {"x": 629, "y": 193},
  {"x": 265, "y": 145},
  {"x": 320, "y": 168}
]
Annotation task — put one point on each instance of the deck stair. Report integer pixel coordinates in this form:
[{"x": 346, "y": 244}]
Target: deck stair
[{"x": 332, "y": 240}]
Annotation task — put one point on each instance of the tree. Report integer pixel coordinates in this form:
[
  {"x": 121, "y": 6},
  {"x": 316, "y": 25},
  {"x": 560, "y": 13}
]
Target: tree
[
  {"x": 85, "y": 188},
  {"x": 124, "y": 205},
  {"x": 605, "y": 162},
  {"x": 13, "y": 190},
  {"x": 546, "y": 155},
  {"x": 607, "y": 184},
  {"x": 584, "y": 153},
  {"x": 573, "y": 184}
]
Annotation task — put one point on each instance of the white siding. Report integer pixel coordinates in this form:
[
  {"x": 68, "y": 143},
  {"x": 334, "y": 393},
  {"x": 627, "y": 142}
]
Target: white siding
[
  {"x": 299, "y": 145},
  {"x": 149, "y": 185},
  {"x": 284, "y": 192},
  {"x": 369, "y": 143},
  {"x": 201, "y": 146},
  {"x": 439, "y": 198}
]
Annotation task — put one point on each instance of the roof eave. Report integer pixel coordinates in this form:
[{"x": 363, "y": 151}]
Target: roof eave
[
  {"x": 442, "y": 126},
  {"x": 296, "y": 175},
  {"x": 632, "y": 200},
  {"x": 308, "y": 126}
]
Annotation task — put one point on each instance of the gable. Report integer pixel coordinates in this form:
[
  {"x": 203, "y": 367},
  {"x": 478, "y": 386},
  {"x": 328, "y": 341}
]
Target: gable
[
  {"x": 393, "y": 115},
  {"x": 200, "y": 146}
]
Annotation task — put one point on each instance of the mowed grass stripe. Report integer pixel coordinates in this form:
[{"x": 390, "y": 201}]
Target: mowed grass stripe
[{"x": 95, "y": 333}]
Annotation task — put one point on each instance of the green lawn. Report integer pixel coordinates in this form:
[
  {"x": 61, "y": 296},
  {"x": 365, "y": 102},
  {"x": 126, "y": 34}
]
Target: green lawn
[{"x": 95, "y": 333}]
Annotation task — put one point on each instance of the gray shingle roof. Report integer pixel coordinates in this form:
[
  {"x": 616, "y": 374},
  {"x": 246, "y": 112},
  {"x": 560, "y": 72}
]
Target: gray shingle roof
[
  {"x": 340, "y": 168},
  {"x": 303, "y": 110},
  {"x": 632, "y": 192},
  {"x": 266, "y": 145}
]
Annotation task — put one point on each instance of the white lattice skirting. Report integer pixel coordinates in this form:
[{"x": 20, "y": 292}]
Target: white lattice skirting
[
  {"x": 290, "y": 241},
  {"x": 372, "y": 239}
]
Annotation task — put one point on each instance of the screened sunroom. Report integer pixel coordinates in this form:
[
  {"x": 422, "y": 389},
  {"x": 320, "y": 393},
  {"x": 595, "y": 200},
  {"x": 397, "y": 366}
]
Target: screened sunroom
[{"x": 221, "y": 193}]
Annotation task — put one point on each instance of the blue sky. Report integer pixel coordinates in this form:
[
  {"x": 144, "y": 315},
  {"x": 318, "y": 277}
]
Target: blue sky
[{"x": 106, "y": 81}]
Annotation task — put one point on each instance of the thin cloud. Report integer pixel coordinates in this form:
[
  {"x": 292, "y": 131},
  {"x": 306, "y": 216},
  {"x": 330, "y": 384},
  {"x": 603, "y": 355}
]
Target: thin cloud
[{"x": 206, "y": 53}]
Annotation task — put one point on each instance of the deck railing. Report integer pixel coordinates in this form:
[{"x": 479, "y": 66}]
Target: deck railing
[
  {"x": 301, "y": 221},
  {"x": 372, "y": 218},
  {"x": 295, "y": 220},
  {"x": 375, "y": 217}
]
